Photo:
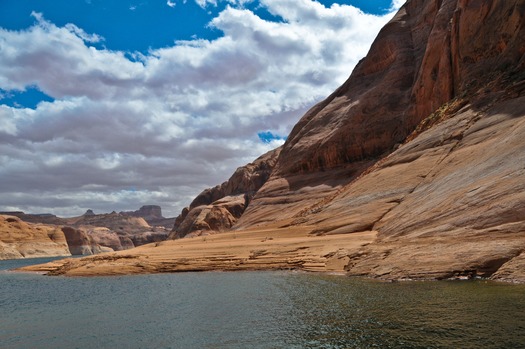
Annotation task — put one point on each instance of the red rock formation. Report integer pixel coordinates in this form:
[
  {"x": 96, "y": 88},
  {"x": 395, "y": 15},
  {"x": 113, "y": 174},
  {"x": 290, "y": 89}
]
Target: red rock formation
[
  {"x": 430, "y": 53},
  {"x": 418, "y": 159},
  {"x": 446, "y": 78},
  {"x": 81, "y": 243},
  {"x": 217, "y": 209},
  {"x": 19, "y": 239},
  {"x": 94, "y": 233}
]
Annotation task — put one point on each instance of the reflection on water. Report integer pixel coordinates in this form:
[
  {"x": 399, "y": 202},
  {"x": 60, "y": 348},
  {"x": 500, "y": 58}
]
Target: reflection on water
[
  {"x": 255, "y": 310},
  {"x": 336, "y": 312}
]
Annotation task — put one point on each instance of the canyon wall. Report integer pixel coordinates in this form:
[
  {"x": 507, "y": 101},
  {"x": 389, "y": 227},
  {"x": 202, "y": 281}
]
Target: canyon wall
[
  {"x": 413, "y": 169},
  {"x": 423, "y": 144}
]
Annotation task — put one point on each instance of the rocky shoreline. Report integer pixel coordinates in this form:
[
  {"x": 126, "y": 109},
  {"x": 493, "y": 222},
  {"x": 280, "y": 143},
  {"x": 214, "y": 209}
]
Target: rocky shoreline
[
  {"x": 280, "y": 249},
  {"x": 412, "y": 169}
]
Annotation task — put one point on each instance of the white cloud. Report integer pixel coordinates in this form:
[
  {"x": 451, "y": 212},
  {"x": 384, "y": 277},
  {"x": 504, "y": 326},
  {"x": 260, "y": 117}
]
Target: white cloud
[
  {"x": 396, "y": 4},
  {"x": 204, "y": 3},
  {"x": 160, "y": 128},
  {"x": 90, "y": 38},
  {"x": 171, "y": 3},
  {"x": 240, "y": 3}
]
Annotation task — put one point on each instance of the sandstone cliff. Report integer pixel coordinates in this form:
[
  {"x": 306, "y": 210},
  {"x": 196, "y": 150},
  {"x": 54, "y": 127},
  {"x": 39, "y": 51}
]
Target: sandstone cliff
[
  {"x": 437, "y": 102},
  {"x": 218, "y": 209},
  {"x": 413, "y": 168},
  {"x": 80, "y": 243},
  {"x": 19, "y": 239},
  {"x": 95, "y": 233},
  {"x": 445, "y": 78},
  {"x": 430, "y": 53}
]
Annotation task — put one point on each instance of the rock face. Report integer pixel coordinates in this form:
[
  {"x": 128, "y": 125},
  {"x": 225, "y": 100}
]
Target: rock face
[
  {"x": 445, "y": 78},
  {"x": 95, "y": 233},
  {"x": 81, "y": 243},
  {"x": 422, "y": 144},
  {"x": 418, "y": 159},
  {"x": 98, "y": 233},
  {"x": 430, "y": 53},
  {"x": 19, "y": 239},
  {"x": 217, "y": 209}
]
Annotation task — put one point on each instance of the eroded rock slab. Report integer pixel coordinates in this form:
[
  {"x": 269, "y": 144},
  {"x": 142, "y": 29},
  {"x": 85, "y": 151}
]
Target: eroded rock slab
[{"x": 19, "y": 239}]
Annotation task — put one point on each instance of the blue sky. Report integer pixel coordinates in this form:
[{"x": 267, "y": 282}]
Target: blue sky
[
  {"x": 132, "y": 26},
  {"x": 142, "y": 24},
  {"x": 110, "y": 105}
]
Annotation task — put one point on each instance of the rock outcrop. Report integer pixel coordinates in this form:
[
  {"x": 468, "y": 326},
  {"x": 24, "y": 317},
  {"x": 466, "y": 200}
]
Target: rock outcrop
[
  {"x": 152, "y": 214},
  {"x": 19, "y": 239},
  {"x": 421, "y": 144},
  {"x": 217, "y": 209},
  {"x": 430, "y": 53},
  {"x": 95, "y": 233},
  {"x": 445, "y": 78},
  {"x": 110, "y": 232},
  {"x": 81, "y": 243},
  {"x": 418, "y": 159}
]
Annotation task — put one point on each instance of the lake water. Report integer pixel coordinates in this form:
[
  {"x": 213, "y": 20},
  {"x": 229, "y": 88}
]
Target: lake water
[{"x": 255, "y": 310}]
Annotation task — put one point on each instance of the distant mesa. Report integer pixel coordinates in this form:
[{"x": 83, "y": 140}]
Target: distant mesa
[
  {"x": 89, "y": 213},
  {"x": 45, "y": 218},
  {"x": 146, "y": 212}
]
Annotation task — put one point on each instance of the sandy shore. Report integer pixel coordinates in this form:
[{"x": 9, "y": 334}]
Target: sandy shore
[{"x": 291, "y": 248}]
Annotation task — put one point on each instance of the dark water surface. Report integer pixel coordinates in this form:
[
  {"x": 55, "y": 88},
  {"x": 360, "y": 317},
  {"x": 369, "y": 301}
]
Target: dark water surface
[{"x": 255, "y": 310}]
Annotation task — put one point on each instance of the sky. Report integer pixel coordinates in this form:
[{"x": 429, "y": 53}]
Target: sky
[{"x": 114, "y": 104}]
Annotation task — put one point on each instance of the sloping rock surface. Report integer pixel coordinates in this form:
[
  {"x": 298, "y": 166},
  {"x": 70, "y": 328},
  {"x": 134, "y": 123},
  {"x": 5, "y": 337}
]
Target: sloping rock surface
[
  {"x": 422, "y": 144},
  {"x": 446, "y": 78},
  {"x": 430, "y": 53},
  {"x": 217, "y": 209},
  {"x": 19, "y": 239},
  {"x": 419, "y": 155}
]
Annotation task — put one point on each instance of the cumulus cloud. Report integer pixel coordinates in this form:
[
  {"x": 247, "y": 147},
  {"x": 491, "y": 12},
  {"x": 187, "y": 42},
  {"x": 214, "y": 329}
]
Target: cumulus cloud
[
  {"x": 396, "y": 4},
  {"x": 159, "y": 128}
]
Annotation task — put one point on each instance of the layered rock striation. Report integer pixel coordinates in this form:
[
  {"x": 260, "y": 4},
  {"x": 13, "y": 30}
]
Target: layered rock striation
[
  {"x": 412, "y": 169},
  {"x": 421, "y": 145},
  {"x": 429, "y": 54}
]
